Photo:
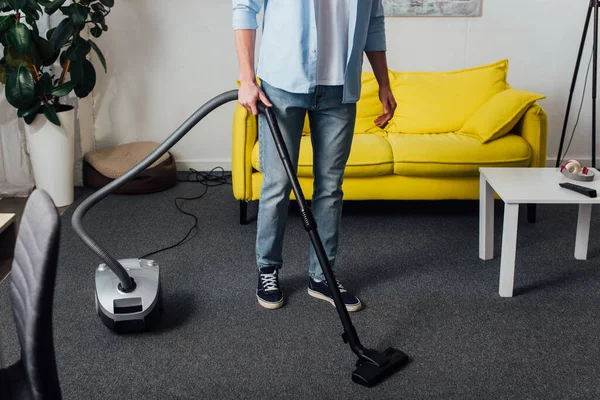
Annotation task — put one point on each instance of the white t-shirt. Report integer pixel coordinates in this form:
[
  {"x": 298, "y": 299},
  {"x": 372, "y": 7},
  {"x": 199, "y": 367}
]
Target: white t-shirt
[{"x": 333, "y": 18}]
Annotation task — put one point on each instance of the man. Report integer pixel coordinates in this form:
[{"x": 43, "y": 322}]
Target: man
[{"x": 310, "y": 61}]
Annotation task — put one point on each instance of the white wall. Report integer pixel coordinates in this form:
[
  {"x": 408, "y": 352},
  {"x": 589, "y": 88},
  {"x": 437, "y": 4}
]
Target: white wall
[{"x": 165, "y": 61}]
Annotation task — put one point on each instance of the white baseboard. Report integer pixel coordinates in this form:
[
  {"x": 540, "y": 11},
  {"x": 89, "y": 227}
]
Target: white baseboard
[{"x": 203, "y": 165}]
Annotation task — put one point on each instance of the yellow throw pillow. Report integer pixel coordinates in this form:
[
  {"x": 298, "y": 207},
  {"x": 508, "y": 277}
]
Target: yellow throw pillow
[
  {"x": 440, "y": 102},
  {"x": 499, "y": 114}
]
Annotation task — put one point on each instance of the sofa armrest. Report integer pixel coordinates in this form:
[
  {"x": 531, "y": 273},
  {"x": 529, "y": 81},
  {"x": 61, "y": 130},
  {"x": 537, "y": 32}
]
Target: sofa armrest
[
  {"x": 245, "y": 135},
  {"x": 533, "y": 127}
]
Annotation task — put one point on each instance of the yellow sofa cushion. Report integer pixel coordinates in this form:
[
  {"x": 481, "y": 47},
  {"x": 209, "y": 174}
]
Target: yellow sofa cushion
[
  {"x": 499, "y": 115},
  {"x": 434, "y": 102},
  {"x": 452, "y": 154},
  {"x": 370, "y": 155}
]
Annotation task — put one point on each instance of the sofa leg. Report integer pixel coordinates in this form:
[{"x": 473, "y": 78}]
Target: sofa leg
[
  {"x": 243, "y": 212},
  {"x": 531, "y": 210}
]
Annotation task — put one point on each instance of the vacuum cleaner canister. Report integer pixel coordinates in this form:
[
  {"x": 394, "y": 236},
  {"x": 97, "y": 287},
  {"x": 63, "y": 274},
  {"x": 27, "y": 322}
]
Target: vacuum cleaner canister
[
  {"x": 128, "y": 311},
  {"x": 128, "y": 290}
]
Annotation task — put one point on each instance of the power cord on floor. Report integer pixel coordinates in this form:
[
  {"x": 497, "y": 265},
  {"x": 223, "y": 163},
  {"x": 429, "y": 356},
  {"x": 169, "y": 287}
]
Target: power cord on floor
[
  {"x": 206, "y": 179},
  {"x": 579, "y": 112}
]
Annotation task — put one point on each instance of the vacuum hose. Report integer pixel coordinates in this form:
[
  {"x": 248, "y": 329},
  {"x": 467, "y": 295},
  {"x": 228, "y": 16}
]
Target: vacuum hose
[{"x": 127, "y": 284}]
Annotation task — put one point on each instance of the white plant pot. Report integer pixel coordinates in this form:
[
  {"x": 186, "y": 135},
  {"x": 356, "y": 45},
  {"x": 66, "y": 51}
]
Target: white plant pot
[{"x": 52, "y": 154}]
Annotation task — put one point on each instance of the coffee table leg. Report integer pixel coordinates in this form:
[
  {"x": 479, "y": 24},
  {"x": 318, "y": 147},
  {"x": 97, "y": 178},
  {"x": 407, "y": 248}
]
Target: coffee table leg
[
  {"x": 583, "y": 231},
  {"x": 486, "y": 219},
  {"x": 509, "y": 249}
]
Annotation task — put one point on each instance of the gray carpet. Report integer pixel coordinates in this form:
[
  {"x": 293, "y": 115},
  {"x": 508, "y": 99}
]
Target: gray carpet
[{"x": 414, "y": 264}]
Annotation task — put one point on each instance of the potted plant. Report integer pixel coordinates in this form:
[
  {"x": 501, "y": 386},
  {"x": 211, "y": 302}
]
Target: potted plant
[{"x": 38, "y": 70}]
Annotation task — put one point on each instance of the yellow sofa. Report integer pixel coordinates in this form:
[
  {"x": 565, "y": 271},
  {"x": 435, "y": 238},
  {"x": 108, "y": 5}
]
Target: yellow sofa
[{"x": 446, "y": 126}]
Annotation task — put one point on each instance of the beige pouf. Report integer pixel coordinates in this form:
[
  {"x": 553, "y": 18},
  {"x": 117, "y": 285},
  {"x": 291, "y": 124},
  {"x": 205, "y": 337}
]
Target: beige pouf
[{"x": 103, "y": 166}]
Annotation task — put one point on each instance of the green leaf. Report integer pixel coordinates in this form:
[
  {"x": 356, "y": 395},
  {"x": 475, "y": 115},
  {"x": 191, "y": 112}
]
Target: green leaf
[
  {"x": 48, "y": 54},
  {"x": 55, "y": 6},
  {"x": 84, "y": 74},
  {"x": 25, "y": 112},
  {"x": 96, "y": 31},
  {"x": 63, "y": 59},
  {"x": 108, "y": 3},
  {"x": 34, "y": 27},
  {"x": 62, "y": 33},
  {"x": 45, "y": 48},
  {"x": 50, "y": 33},
  {"x": 16, "y": 4},
  {"x": 82, "y": 13},
  {"x": 20, "y": 88},
  {"x": 34, "y": 56},
  {"x": 80, "y": 49},
  {"x": 99, "y": 53},
  {"x": 30, "y": 118},
  {"x": 45, "y": 84},
  {"x": 45, "y": 3},
  {"x": 98, "y": 17},
  {"x": 6, "y": 21},
  {"x": 4, "y": 4},
  {"x": 63, "y": 89},
  {"x": 31, "y": 15},
  {"x": 50, "y": 113},
  {"x": 49, "y": 61},
  {"x": 33, "y": 4},
  {"x": 12, "y": 58},
  {"x": 77, "y": 13},
  {"x": 3, "y": 74},
  {"x": 19, "y": 37},
  {"x": 98, "y": 7}
]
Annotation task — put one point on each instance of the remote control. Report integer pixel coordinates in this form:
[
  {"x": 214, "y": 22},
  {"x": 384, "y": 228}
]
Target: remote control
[{"x": 579, "y": 189}]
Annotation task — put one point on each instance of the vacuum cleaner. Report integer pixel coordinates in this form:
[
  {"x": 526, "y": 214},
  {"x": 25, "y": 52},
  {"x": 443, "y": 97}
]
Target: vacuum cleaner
[{"x": 128, "y": 291}]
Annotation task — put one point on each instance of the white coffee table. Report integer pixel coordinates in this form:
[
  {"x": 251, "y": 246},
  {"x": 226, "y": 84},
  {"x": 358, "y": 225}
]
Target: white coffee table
[
  {"x": 517, "y": 186},
  {"x": 6, "y": 220}
]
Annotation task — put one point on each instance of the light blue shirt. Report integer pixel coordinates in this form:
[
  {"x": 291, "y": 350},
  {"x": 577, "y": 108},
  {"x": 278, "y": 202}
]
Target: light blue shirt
[{"x": 288, "y": 51}]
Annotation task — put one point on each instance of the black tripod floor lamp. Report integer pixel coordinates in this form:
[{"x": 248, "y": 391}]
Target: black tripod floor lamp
[{"x": 593, "y": 7}]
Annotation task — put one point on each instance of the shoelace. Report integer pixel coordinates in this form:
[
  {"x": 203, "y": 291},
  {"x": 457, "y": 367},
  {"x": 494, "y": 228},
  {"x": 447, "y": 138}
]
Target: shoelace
[
  {"x": 342, "y": 289},
  {"x": 269, "y": 282},
  {"x": 339, "y": 285}
]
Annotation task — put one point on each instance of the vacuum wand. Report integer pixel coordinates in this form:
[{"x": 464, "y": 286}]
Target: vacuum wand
[{"x": 372, "y": 366}]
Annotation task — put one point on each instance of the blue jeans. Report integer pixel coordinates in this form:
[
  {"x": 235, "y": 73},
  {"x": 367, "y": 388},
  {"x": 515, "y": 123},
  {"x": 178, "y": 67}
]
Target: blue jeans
[{"x": 332, "y": 129}]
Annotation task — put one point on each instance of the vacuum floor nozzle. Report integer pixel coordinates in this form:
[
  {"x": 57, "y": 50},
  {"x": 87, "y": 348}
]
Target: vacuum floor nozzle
[{"x": 379, "y": 365}]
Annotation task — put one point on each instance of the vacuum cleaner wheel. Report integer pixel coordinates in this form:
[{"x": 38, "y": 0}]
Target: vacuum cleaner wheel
[{"x": 133, "y": 311}]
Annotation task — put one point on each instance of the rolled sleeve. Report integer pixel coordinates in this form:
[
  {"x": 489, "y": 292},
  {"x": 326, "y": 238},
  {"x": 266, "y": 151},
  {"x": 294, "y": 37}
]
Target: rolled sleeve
[
  {"x": 376, "y": 39},
  {"x": 245, "y": 13}
]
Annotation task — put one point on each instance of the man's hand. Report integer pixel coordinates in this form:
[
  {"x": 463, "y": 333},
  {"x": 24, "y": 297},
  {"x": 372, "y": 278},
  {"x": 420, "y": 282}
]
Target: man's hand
[
  {"x": 249, "y": 94},
  {"x": 389, "y": 106},
  {"x": 378, "y": 61}
]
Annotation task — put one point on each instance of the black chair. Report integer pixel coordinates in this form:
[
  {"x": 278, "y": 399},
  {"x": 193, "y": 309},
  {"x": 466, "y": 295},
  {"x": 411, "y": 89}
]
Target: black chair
[{"x": 33, "y": 276}]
